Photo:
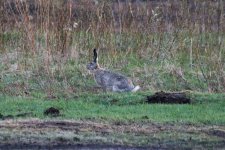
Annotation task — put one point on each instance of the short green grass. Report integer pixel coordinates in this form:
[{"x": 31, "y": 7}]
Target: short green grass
[{"x": 125, "y": 107}]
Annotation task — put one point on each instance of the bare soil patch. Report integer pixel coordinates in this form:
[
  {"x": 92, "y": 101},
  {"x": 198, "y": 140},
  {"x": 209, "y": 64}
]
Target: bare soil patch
[{"x": 103, "y": 135}]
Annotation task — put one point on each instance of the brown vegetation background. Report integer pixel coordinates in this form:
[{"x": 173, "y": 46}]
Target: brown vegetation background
[{"x": 181, "y": 39}]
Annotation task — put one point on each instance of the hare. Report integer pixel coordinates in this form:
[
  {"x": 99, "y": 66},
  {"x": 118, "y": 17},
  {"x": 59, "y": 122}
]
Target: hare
[{"x": 109, "y": 80}]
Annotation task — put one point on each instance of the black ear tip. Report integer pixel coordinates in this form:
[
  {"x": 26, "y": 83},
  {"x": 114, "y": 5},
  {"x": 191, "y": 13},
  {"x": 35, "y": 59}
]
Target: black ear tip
[{"x": 94, "y": 50}]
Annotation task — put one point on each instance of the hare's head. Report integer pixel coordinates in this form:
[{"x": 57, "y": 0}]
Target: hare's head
[{"x": 94, "y": 64}]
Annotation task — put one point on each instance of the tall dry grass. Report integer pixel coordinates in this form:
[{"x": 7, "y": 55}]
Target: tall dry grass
[{"x": 162, "y": 45}]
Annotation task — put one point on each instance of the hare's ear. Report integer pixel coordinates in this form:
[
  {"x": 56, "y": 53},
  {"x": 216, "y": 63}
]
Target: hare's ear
[{"x": 95, "y": 56}]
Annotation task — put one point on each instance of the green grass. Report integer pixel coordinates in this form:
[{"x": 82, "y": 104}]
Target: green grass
[{"x": 205, "y": 108}]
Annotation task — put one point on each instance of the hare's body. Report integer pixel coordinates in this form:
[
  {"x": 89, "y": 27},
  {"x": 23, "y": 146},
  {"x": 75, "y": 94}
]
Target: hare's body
[{"x": 109, "y": 80}]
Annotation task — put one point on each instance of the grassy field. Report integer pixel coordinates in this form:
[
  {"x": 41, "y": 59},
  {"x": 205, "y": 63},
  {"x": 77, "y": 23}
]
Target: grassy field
[
  {"x": 173, "y": 46},
  {"x": 45, "y": 48},
  {"x": 205, "y": 108},
  {"x": 113, "y": 120}
]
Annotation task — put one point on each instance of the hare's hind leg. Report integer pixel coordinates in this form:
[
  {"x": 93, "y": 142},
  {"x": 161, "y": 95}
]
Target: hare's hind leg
[
  {"x": 105, "y": 89},
  {"x": 115, "y": 88}
]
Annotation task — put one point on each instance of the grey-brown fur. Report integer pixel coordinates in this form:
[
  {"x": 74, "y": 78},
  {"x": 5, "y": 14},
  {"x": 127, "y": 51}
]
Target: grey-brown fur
[{"x": 109, "y": 80}]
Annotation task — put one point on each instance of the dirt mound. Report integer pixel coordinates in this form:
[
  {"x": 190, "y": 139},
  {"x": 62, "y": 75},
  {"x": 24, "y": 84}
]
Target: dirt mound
[
  {"x": 54, "y": 112},
  {"x": 169, "y": 98}
]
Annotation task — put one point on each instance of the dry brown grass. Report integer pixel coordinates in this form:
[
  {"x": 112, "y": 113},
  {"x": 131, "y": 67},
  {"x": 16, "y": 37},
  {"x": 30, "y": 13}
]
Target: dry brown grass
[{"x": 162, "y": 45}]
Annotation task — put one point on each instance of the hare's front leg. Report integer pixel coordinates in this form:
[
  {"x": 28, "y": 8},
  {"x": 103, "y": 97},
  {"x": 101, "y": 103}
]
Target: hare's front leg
[{"x": 104, "y": 88}]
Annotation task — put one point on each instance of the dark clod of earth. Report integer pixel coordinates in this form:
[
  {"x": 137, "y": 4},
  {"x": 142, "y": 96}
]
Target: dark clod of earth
[
  {"x": 168, "y": 98},
  {"x": 54, "y": 112}
]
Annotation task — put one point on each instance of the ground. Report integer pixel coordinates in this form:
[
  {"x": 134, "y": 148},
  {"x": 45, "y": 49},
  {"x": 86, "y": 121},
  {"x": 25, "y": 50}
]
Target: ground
[
  {"x": 112, "y": 121},
  {"x": 36, "y": 133}
]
